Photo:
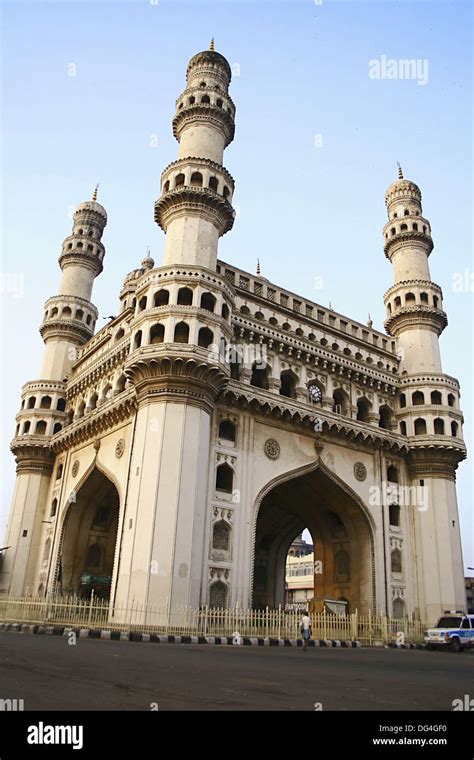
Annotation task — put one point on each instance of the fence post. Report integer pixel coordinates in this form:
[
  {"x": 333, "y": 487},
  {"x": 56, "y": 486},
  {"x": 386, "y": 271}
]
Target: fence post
[
  {"x": 90, "y": 605},
  {"x": 279, "y": 621}
]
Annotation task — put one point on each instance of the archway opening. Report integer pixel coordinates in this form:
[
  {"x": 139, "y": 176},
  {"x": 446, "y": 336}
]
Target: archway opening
[
  {"x": 90, "y": 535},
  {"x": 341, "y": 537}
]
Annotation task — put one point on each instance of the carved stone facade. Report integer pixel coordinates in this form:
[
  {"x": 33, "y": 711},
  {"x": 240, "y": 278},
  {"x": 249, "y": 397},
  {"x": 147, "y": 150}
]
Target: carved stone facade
[{"x": 176, "y": 453}]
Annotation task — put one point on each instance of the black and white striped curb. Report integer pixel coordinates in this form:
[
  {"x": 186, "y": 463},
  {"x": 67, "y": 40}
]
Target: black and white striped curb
[
  {"x": 393, "y": 645},
  {"x": 105, "y": 634}
]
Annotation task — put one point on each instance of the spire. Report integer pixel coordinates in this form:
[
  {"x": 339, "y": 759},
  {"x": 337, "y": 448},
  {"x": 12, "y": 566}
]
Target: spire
[
  {"x": 369, "y": 322},
  {"x": 94, "y": 194},
  {"x": 400, "y": 171},
  {"x": 258, "y": 266},
  {"x": 211, "y": 45}
]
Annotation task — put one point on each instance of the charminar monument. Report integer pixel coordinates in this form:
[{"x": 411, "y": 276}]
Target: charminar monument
[{"x": 176, "y": 453}]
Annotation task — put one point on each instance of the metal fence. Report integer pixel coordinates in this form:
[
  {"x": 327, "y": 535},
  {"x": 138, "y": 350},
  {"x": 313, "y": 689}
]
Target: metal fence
[{"x": 205, "y": 621}]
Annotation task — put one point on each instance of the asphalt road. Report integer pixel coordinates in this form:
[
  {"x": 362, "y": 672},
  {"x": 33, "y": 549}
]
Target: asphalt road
[{"x": 49, "y": 674}]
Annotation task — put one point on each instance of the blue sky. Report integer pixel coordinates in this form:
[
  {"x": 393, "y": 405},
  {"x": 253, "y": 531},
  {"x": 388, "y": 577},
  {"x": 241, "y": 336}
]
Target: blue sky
[{"x": 302, "y": 70}]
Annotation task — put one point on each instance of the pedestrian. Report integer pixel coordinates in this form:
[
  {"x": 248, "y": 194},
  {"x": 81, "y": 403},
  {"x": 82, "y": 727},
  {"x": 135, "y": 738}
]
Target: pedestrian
[{"x": 305, "y": 629}]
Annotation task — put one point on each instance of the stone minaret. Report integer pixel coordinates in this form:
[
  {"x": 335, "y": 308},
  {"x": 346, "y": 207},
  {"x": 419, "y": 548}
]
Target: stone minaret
[
  {"x": 194, "y": 209},
  {"x": 428, "y": 410},
  {"x": 69, "y": 322},
  {"x": 182, "y": 317}
]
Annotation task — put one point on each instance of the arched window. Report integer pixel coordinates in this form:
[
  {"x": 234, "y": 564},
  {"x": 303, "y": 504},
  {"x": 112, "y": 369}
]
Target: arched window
[
  {"x": 435, "y": 301},
  {"x": 40, "y": 428},
  {"x": 161, "y": 298},
  {"x": 451, "y": 399},
  {"x": 191, "y": 100},
  {"x": 59, "y": 472},
  {"x": 410, "y": 298},
  {"x": 225, "y": 311},
  {"x": 66, "y": 312},
  {"x": 420, "y": 426},
  {"x": 396, "y": 561},
  {"x": 424, "y": 297},
  {"x": 26, "y": 427},
  {"x": 181, "y": 333},
  {"x": 119, "y": 334},
  {"x": 402, "y": 400},
  {"x": 454, "y": 429},
  {"x": 208, "y": 302},
  {"x": 392, "y": 473},
  {"x": 45, "y": 402},
  {"x": 385, "y": 417},
  {"x": 343, "y": 567},
  {"x": 54, "y": 312},
  {"x": 157, "y": 334},
  {"x": 398, "y": 302},
  {"x": 406, "y": 212},
  {"x": 213, "y": 184},
  {"x": 205, "y": 337},
  {"x": 363, "y": 408},
  {"x": 227, "y": 431},
  {"x": 393, "y": 231},
  {"x": 288, "y": 384},
  {"x": 418, "y": 398},
  {"x": 120, "y": 383},
  {"x": 221, "y": 536},
  {"x": 399, "y": 608},
  {"x": 54, "y": 507},
  {"x": 57, "y": 428},
  {"x": 438, "y": 426},
  {"x": 339, "y": 402},
  {"x": 225, "y": 191},
  {"x": 403, "y": 227},
  {"x": 185, "y": 297},
  {"x": 218, "y": 594},
  {"x": 205, "y": 99},
  {"x": 415, "y": 226},
  {"x": 436, "y": 397},
  {"x": 88, "y": 319},
  {"x": 394, "y": 515},
  {"x": 219, "y": 103},
  {"x": 259, "y": 377},
  {"x": 179, "y": 180},
  {"x": 224, "y": 478},
  {"x": 196, "y": 179},
  {"x": 79, "y": 313},
  {"x": 137, "y": 341},
  {"x": 142, "y": 303},
  {"x": 166, "y": 186},
  {"x": 403, "y": 428},
  {"x": 93, "y": 401},
  {"x": 31, "y": 402}
]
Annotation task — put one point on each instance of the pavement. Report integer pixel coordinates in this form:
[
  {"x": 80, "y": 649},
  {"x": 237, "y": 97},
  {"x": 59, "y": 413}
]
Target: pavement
[{"x": 49, "y": 673}]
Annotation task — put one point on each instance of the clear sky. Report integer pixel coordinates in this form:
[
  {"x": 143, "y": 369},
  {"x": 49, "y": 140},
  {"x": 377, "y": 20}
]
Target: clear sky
[{"x": 317, "y": 141}]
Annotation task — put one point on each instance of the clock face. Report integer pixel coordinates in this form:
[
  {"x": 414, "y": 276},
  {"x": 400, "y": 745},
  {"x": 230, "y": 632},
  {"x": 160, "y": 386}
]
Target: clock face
[{"x": 315, "y": 393}]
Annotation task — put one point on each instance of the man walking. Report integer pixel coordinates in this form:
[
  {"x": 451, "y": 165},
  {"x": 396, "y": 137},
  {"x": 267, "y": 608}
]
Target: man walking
[{"x": 305, "y": 629}]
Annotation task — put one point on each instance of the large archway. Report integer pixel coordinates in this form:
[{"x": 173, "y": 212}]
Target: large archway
[
  {"x": 89, "y": 538},
  {"x": 341, "y": 534}
]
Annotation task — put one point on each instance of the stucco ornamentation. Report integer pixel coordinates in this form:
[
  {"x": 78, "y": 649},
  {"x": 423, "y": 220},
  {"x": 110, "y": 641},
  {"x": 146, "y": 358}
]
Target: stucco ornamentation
[
  {"x": 272, "y": 448},
  {"x": 360, "y": 471},
  {"x": 119, "y": 448}
]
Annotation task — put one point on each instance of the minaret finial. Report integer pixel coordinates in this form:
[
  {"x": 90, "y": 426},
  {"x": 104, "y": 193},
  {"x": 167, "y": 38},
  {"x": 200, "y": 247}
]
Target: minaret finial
[
  {"x": 369, "y": 322},
  {"x": 211, "y": 46},
  {"x": 400, "y": 172},
  {"x": 94, "y": 194},
  {"x": 258, "y": 266}
]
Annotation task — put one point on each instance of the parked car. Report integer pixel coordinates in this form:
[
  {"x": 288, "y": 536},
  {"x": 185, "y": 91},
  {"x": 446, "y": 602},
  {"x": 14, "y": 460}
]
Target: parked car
[{"x": 454, "y": 630}]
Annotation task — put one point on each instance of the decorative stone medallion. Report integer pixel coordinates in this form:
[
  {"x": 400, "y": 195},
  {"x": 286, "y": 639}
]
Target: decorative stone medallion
[
  {"x": 119, "y": 448},
  {"x": 360, "y": 471},
  {"x": 272, "y": 448},
  {"x": 75, "y": 468}
]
